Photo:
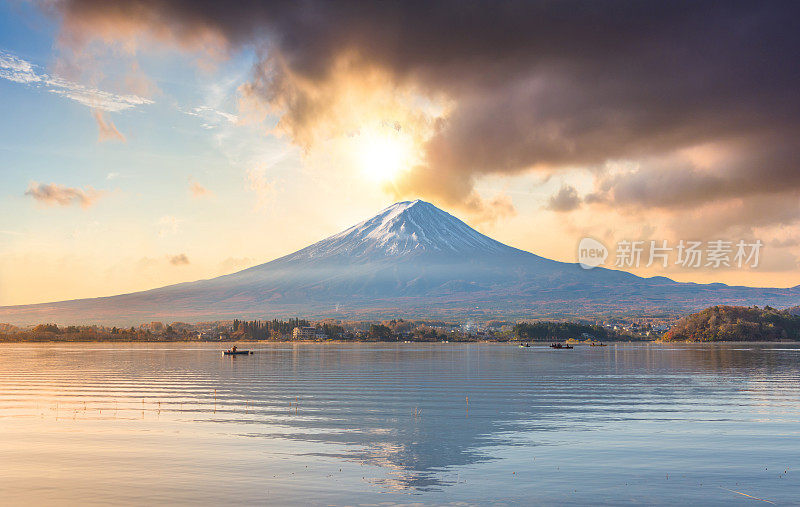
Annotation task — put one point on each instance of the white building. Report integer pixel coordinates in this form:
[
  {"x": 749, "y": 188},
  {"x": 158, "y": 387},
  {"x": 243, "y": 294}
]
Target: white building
[{"x": 308, "y": 333}]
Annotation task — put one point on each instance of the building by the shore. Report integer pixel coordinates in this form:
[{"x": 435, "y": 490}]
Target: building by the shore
[{"x": 308, "y": 333}]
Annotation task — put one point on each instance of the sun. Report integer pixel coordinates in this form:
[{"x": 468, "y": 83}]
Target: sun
[{"x": 383, "y": 156}]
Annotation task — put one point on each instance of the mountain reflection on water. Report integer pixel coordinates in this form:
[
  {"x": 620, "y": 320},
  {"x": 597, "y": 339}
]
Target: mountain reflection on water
[
  {"x": 415, "y": 417},
  {"x": 426, "y": 419}
]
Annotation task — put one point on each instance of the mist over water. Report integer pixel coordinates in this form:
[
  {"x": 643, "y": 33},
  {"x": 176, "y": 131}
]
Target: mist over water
[{"x": 399, "y": 423}]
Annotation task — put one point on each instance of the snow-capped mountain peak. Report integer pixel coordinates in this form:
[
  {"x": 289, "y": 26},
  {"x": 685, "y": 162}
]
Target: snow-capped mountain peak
[
  {"x": 410, "y": 260},
  {"x": 408, "y": 227}
]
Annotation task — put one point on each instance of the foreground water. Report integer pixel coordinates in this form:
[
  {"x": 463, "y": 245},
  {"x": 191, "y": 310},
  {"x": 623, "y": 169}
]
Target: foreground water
[{"x": 406, "y": 423}]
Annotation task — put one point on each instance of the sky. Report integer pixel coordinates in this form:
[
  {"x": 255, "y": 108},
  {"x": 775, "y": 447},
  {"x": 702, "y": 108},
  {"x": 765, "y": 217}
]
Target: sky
[{"x": 150, "y": 142}]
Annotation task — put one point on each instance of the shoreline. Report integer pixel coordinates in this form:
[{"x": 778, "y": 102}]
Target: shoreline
[{"x": 226, "y": 344}]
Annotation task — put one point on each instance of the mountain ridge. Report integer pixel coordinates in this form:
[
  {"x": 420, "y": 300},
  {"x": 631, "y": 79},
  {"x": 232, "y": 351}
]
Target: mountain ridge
[{"x": 411, "y": 259}]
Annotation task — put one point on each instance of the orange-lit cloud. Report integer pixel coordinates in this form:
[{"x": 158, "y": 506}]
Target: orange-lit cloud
[
  {"x": 59, "y": 195},
  {"x": 198, "y": 191},
  {"x": 545, "y": 86},
  {"x": 107, "y": 131},
  {"x": 136, "y": 82}
]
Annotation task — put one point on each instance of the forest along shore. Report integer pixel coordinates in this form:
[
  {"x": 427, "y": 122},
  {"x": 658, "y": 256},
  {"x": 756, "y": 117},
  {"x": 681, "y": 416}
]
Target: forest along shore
[
  {"x": 714, "y": 324},
  {"x": 302, "y": 330}
]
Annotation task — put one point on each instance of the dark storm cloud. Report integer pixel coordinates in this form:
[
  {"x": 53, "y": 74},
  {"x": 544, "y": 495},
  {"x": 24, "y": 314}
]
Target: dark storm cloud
[
  {"x": 747, "y": 170},
  {"x": 534, "y": 84}
]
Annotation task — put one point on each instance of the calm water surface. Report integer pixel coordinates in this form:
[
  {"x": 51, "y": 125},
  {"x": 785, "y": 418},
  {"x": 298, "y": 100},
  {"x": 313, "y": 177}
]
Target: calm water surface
[{"x": 399, "y": 424}]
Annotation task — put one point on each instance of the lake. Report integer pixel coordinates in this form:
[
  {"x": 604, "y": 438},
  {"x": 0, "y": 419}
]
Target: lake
[{"x": 361, "y": 424}]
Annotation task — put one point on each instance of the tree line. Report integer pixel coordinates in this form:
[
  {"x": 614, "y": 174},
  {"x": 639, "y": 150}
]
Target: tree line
[
  {"x": 736, "y": 323},
  {"x": 266, "y": 329},
  {"x": 557, "y": 331}
]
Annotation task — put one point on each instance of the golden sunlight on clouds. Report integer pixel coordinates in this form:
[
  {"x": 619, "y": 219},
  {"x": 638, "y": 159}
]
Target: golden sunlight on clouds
[
  {"x": 345, "y": 111},
  {"x": 384, "y": 155},
  {"x": 358, "y": 123},
  {"x": 354, "y": 97},
  {"x": 361, "y": 123}
]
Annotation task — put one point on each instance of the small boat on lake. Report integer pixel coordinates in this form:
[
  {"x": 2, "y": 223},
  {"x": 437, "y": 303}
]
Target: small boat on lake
[
  {"x": 524, "y": 345},
  {"x": 560, "y": 346},
  {"x": 593, "y": 344},
  {"x": 236, "y": 352},
  {"x": 233, "y": 351}
]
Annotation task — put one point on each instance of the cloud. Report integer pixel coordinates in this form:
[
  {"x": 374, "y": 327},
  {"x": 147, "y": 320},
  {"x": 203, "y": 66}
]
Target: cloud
[
  {"x": 15, "y": 69},
  {"x": 566, "y": 199},
  {"x": 755, "y": 182},
  {"x": 168, "y": 225},
  {"x": 785, "y": 242},
  {"x": 723, "y": 171},
  {"x": 138, "y": 83},
  {"x": 736, "y": 217},
  {"x": 529, "y": 86},
  {"x": 179, "y": 260},
  {"x": 491, "y": 210},
  {"x": 58, "y": 195},
  {"x": 94, "y": 98},
  {"x": 198, "y": 191},
  {"x": 107, "y": 131},
  {"x": 212, "y": 118}
]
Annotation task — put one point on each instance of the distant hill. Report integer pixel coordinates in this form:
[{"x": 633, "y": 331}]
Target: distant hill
[
  {"x": 411, "y": 260},
  {"x": 736, "y": 323}
]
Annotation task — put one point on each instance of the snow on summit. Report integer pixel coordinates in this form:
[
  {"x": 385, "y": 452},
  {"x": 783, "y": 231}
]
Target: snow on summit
[
  {"x": 410, "y": 260},
  {"x": 408, "y": 227}
]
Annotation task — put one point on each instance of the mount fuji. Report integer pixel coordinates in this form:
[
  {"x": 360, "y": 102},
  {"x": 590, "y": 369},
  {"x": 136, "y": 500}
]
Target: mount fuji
[{"x": 411, "y": 260}]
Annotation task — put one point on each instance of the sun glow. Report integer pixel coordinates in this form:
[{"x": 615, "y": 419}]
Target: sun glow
[{"x": 383, "y": 156}]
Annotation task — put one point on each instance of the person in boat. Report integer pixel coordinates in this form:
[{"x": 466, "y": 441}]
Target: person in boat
[{"x": 233, "y": 349}]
